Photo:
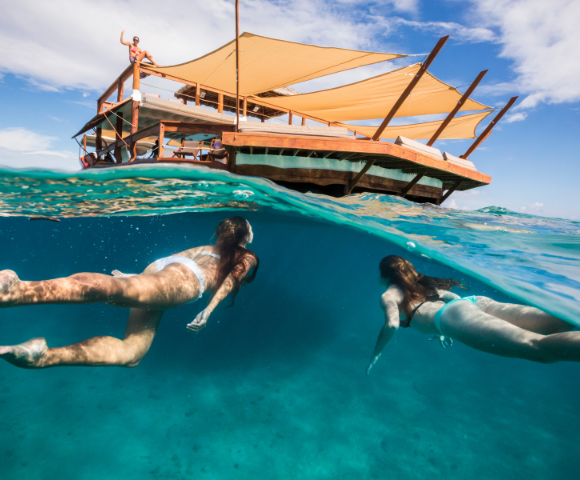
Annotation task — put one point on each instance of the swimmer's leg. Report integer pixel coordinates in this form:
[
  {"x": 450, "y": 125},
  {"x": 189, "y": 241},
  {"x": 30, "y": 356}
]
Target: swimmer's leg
[
  {"x": 523, "y": 316},
  {"x": 173, "y": 286},
  {"x": 465, "y": 322},
  {"x": 97, "y": 351}
]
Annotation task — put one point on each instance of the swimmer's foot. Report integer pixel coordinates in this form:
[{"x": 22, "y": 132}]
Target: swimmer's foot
[
  {"x": 25, "y": 355},
  {"x": 9, "y": 283}
]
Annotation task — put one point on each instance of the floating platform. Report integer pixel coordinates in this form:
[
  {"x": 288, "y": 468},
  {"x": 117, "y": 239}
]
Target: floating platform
[{"x": 334, "y": 158}]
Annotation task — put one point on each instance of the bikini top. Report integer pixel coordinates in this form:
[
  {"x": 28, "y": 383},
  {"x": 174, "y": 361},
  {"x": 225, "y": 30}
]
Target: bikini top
[
  {"x": 407, "y": 322},
  {"x": 203, "y": 252}
]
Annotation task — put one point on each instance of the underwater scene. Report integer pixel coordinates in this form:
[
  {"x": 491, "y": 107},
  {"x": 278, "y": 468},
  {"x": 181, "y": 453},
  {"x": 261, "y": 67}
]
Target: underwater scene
[{"x": 275, "y": 387}]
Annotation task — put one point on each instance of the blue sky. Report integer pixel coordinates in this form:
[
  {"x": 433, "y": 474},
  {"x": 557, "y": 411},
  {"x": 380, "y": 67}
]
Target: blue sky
[{"x": 56, "y": 60}]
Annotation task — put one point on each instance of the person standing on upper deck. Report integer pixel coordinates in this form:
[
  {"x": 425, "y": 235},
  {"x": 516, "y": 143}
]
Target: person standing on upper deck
[{"x": 135, "y": 53}]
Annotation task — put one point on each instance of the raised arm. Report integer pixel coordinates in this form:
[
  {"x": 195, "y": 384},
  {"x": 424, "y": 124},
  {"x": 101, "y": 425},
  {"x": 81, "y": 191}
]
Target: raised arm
[
  {"x": 249, "y": 263},
  {"x": 123, "y": 41},
  {"x": 390, "y": 302}
]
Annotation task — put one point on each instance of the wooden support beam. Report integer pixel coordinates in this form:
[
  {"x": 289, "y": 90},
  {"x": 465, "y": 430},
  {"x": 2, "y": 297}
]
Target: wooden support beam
[
  {"x": 410, "y": 87},
  {"x": 232, "y": 160},
  {"x": 411, "y": 184},
  {"x": 359, "y": 175},
  {"x": 482, "y": 139},
  {"x": 118, "y": 135},
  {"x": 237, "y": 66},
  {"x": 487, "y": 130},
  {"x": 303, "y": 121},
  {"x": 161, "y": 138},
  {"x": 114, "y": 86},
  {"x": 120, "y": 90},
  {"x": 245, "y": 107},
  {"x": 290, "y": 117},
  {"x": 197, "y": 94},
  {"x": 220, "y": 102},
  {"x": 453, "y": 112},
  {"x": 99, "y": 140},
  {"x": 85, "y": 143},
  {"x": 135, "y": 110},
  {"x": 455, "y": 186}
]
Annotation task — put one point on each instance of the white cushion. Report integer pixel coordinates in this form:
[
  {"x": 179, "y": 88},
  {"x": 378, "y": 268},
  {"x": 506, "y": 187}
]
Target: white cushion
[
  {"x": 459, "y": 161},
  {"x": 276, "y": 128},
  {"x": 419, "y": 147}
]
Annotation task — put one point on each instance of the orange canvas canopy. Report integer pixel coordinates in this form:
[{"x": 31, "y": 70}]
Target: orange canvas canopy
[
  {"x": 459, "y": 127},
  {"x": 268, "y": 63},
  {"x": 373, "y": 98}
]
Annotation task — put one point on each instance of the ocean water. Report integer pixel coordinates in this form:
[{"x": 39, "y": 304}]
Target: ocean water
[{"x": 275, "y": 387}]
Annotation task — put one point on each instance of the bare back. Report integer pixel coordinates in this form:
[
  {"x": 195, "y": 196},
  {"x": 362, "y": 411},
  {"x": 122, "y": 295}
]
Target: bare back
[{"x": 424, "y": 317}]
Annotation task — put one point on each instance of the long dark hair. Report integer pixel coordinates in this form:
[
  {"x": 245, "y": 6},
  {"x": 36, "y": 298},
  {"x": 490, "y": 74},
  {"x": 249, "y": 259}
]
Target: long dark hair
[
  {"x": 230, "y": 233},
  {"x": 415, "y": 286}
]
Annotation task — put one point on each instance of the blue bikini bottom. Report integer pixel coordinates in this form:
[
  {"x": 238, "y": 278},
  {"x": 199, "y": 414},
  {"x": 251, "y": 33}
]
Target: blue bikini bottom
[{"x": 438, "y": 315}]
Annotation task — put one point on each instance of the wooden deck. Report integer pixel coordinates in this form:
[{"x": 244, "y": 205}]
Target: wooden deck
[
  {"x": 385, "y": 154},
  {"x": 337, "y": 183}
]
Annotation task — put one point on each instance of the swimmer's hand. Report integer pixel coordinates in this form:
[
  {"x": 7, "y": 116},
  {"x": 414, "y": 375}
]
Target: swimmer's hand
[
  {"x": 372, "y": 364},
  {"x": 443, "y": 340},
  {"x": 200, "y": 321},
  {"x": 118, "y": 274}
]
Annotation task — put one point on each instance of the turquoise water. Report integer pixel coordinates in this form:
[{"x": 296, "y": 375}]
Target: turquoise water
[{"x": 276, "y": 387}]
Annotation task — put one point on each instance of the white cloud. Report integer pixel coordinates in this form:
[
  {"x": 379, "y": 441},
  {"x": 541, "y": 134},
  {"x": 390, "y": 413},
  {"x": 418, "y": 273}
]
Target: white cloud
[
  {"x": 516, "y": 117},
  {"x": 497, "y": 89},
  {"x": 26, "y": 160},
  {"x": 56, "y": 46},
  {"x": 543, "y": 40},
  {"x": 22, "y": 148},
  {"x": 23, "y": 140},
  {"x": 410, "y": 6},
  {"x": 51, "y": 152},
  {"x": 535, "y": 208},
  {"x": 458, "y": 32}
]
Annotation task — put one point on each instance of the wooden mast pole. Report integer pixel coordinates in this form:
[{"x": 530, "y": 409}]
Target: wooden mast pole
[
  {"x": 237, "y": 65},
  {"x": 135, "y": 108},
  {"x": 453, "y": 112},
  {"x": 410, "y": 87},
  {"x": 492, "y": 124}
]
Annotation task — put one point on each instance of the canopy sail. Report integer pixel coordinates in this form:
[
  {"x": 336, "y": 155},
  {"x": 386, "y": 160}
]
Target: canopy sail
[
  {"x": 373, "y": 98},
  {"x": 268, "y": 63},
  {"x": 459, "y": 127}
]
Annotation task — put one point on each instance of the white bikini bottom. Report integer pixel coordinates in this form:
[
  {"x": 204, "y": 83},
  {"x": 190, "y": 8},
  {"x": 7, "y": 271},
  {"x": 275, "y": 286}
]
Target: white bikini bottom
[{"x": 189, "y": 263}]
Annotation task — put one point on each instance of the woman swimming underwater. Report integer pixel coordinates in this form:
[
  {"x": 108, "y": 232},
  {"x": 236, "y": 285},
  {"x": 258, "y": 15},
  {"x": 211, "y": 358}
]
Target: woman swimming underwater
[
  {"x": 503, "y": 329},
  {"x": 168, "y": 283}
]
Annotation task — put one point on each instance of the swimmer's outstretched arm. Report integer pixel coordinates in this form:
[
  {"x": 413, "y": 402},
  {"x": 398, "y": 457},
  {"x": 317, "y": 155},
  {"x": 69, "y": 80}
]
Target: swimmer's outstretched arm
[
  {"x": 227, "y": 286},
  {"x": 390, "y": 303}
]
